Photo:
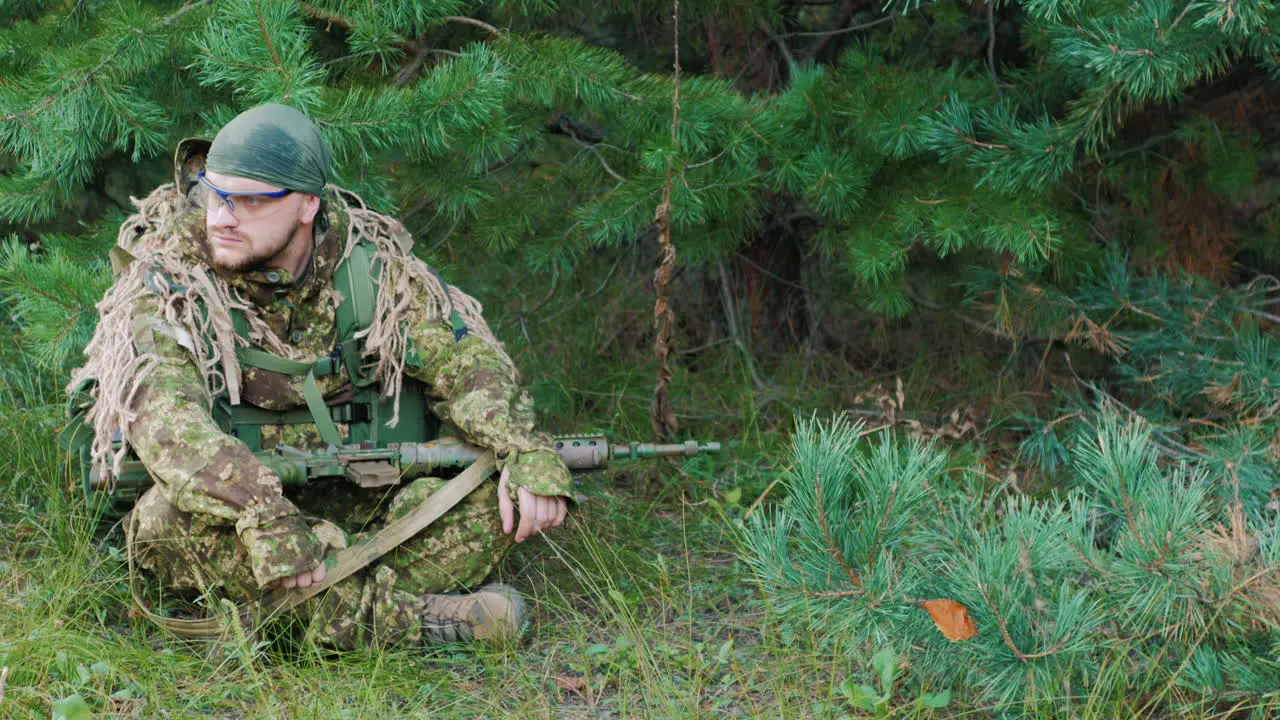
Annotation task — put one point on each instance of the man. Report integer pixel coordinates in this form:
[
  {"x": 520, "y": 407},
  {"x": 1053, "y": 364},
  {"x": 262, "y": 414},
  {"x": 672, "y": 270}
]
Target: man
[{"x": 246, "y": 255}]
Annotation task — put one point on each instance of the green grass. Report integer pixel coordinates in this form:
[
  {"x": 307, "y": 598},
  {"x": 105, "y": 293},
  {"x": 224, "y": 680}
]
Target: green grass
[
  {"x": 641, "y": 605},
  {"x": 642, "y": 609}
]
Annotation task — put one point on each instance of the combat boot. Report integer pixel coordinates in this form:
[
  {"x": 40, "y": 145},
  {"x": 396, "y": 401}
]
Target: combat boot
[{"x": 491, "y": 614}]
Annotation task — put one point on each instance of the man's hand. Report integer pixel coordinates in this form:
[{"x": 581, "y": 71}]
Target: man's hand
[
  {"x": 537, "y": 512},
  {"x": 303, "y": 580}
]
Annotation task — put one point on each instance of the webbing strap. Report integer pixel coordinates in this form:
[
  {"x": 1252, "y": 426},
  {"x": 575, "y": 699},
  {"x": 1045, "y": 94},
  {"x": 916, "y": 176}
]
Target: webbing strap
[
  {"x": 253, "y": 415},
  {"x": 209, "y": 628},
  {"x": 338, "y": 566},
  {"x": 359, "y": 290},
  {"x": 250, "y": 357},
  {"x": 320, "y": 412},
  {"x": 355, "y": 280},
  {"x": 254, "y": 358},
  {"x": 240, "y": 322},
  {"x": 345, "y": 562}
]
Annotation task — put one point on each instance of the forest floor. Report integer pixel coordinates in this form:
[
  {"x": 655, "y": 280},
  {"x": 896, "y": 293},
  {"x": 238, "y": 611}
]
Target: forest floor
[
  {"x": 641, "y": 609},
  {"x": 641, "y": 604}
]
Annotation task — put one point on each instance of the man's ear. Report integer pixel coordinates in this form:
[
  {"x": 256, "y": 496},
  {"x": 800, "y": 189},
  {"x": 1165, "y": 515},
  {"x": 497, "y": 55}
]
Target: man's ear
[{"x": 310, "y": 207}]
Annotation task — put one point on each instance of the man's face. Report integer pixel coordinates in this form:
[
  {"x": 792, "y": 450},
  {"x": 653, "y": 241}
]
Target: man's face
[{"x": 260, "y": 231}]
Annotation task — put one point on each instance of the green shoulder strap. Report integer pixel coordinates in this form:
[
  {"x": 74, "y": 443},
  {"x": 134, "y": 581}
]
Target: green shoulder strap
[
  {"x": 356, "y": 280},
  {"x": 255, "y": 358}
]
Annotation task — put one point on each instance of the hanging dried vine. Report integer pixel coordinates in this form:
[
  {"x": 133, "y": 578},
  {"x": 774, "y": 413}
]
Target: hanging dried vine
[{"x": 664, "y": 417}]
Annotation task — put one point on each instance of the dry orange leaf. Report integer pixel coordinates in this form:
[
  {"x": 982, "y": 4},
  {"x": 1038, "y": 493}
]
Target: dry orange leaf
[
  {"x": 575, "y": 685},
  {"x": 951, "y": 618}
]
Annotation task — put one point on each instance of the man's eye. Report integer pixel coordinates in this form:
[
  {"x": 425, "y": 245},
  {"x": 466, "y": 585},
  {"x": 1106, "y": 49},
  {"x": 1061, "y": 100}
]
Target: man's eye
[{"x": 252, "y": 200}]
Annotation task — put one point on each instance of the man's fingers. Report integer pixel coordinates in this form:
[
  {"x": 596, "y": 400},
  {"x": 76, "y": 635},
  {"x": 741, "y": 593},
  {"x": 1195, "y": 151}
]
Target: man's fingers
[
  {"x": 548, "y": 513},
  {"x": 301, "y": 580},
  {"x": 539, "y": 515},
  {"x": 537, "y": 512},
  {"x": 314, "y": 577},
  {"x": 528, "y": 514},
  {"x": 506, "y": 509},
  {"x": 549, "y": 516}
]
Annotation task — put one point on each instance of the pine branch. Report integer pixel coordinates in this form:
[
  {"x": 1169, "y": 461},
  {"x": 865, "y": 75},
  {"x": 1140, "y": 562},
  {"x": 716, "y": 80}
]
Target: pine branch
[
  {"x": 884, "y": 519},
  {"x": 475, "y": 23},
  {"x": 1008, "y": 640},
  {"x": 825, "y": 527},
  {"x": 991, "y": 44},
  {"x": 266, "y": 36},
  {"x": 596, "y": 151}
]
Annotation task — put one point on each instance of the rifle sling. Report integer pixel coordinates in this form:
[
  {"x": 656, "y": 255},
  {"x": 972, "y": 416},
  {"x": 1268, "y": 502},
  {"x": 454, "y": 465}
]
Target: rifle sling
[
  {"x": 338, "y": 566},
  {"x": 345, "y": 562}
]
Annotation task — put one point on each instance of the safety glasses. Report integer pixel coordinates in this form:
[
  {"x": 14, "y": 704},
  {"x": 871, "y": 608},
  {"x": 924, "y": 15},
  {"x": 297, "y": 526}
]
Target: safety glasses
[{"x": 243, "y": 205}]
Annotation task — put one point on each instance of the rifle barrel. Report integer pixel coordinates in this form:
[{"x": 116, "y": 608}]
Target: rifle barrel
[{"x": 635, "y": 451}]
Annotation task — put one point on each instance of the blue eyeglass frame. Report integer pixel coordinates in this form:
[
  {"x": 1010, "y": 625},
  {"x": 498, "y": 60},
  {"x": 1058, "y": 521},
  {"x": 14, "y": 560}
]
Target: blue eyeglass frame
[{"x": 226, "y": 195}]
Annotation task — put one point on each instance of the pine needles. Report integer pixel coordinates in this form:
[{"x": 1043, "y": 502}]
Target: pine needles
[{"x": 1123, "y": 568}]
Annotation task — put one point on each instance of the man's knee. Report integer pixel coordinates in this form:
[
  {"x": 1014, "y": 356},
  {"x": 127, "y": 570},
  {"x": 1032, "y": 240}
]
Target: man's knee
[
  {"x": 457, "y": 551},
  {"x": 184, "y": 553},
  {"x": 154, "y": 523}
]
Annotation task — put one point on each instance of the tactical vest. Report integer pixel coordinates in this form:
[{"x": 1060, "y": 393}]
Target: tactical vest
[
  {"x": 364, "y": 410},
  {"x": 367, "y": 411}
]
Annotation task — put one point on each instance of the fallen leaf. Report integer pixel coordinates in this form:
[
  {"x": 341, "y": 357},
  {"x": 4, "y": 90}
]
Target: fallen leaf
[
  {"x": 569, "y": 683},
  {"x": 951, "y": 618}
]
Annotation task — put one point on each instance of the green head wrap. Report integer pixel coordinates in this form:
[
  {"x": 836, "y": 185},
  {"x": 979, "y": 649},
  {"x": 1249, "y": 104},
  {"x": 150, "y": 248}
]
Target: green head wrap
[{"x": 273, "y": 144}]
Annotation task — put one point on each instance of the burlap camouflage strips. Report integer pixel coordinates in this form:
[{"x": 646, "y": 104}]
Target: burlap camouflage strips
[{"x": 234, "y": 528}]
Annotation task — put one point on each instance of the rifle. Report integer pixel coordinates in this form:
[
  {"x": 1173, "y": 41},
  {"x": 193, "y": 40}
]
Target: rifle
[{"x": 369, "y": 466}]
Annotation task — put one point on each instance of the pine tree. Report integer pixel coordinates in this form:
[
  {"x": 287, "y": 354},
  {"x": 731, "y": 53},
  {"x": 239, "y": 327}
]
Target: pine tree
[
  {"x": 495, "y": 121},
  {"x": 1189, "y": 357},
  {"x": 1135, "y": 580}
]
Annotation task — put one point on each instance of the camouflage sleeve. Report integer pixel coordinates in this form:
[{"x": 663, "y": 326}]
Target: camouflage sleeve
[
  {"x": 201, "y": 469},
  {"x": 479, "y": 394}
]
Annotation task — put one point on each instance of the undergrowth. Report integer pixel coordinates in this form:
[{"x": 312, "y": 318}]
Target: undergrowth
[{"x": 643, "y": 605}]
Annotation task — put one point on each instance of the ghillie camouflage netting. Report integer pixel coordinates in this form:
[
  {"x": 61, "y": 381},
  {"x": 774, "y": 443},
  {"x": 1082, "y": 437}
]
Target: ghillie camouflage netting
[{"x": 191, "y": 305}]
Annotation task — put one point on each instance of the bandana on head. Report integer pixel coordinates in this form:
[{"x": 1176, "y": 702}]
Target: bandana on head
[{"x": 273, "y": 144}]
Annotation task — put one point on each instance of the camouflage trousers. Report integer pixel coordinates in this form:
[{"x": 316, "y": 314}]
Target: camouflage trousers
[{"x": 199, "y": 555}]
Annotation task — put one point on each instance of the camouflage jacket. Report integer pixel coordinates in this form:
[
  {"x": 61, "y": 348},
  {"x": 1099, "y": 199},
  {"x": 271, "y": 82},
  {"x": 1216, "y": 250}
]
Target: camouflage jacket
[{"x": 216, "y": 477}]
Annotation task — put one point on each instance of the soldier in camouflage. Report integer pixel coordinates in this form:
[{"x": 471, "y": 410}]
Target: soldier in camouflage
[{"x": 218, "y": 522}]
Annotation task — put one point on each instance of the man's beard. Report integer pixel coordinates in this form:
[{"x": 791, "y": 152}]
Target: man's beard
[{"x": 265, "y": 250}]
